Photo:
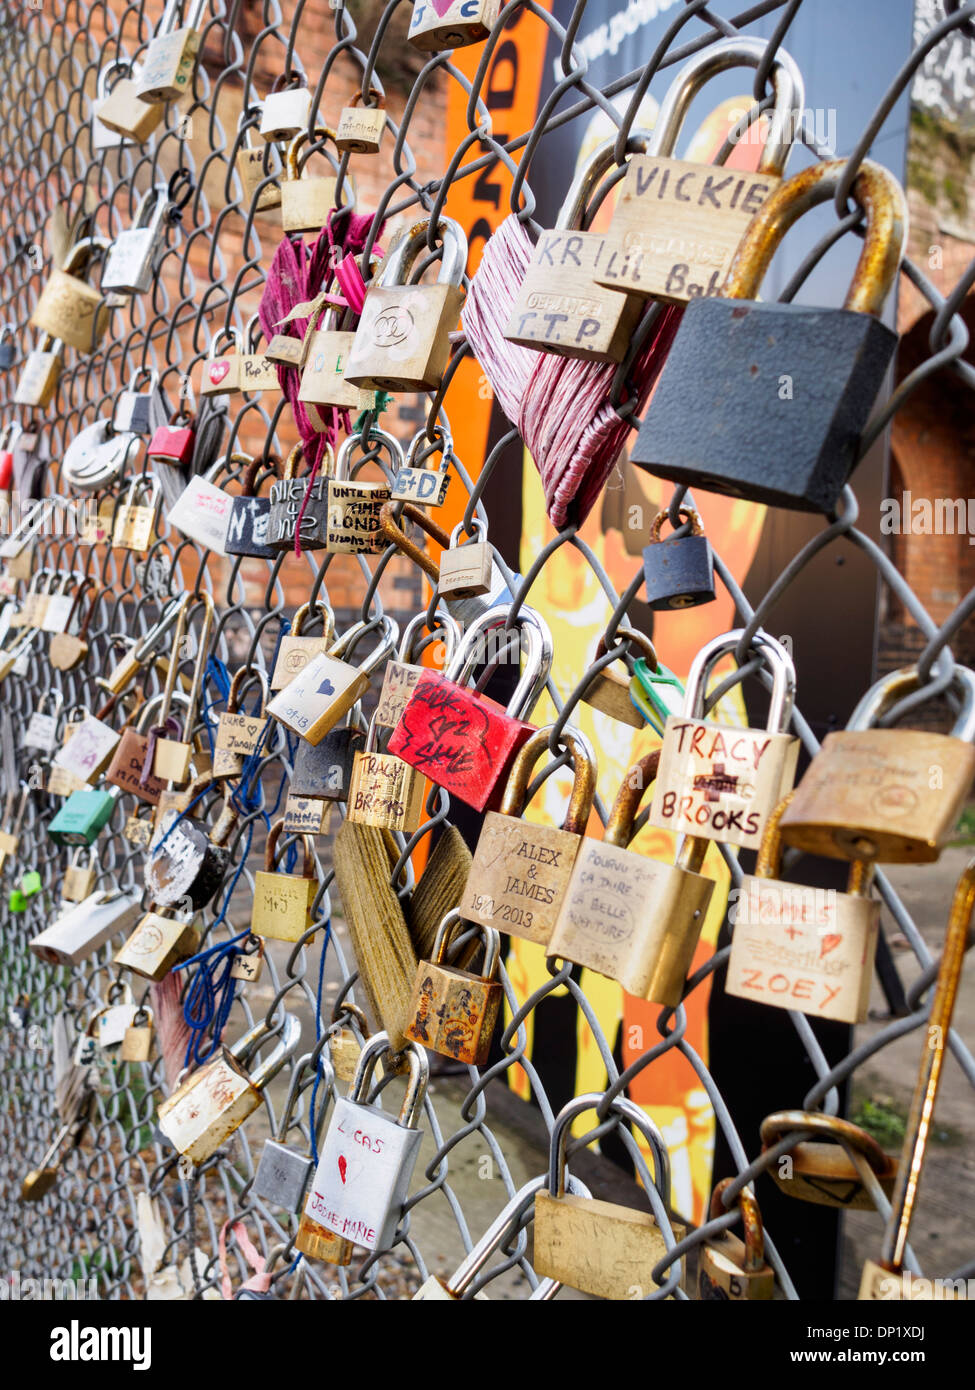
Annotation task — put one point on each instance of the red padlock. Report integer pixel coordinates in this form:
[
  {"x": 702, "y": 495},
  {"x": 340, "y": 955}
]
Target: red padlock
[
  {"x": 461, "y": 740},
  {"x": 8, "y": 437},
  {"x": 173, "y": 443}
]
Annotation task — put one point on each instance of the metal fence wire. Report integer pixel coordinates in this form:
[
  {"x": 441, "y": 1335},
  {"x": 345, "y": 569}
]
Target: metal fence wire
[{"x": 210, "y": 278}]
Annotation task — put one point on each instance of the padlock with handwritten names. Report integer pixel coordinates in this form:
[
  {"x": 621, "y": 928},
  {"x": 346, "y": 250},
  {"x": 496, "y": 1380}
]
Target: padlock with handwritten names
[
  {"x": 283, "y": 901},
  {"x": 424, "y": 487},
  {"x": 169, "y": 62},
  {"x": 402, "y": 674},
  {"x": 454, "y": 1011},
  {"x": 315, "y": 701},
  {"x": 157, "y": 944},
  {"x": 383, "y": 790},
  {"x": 354, "y": 504},
  {"x": 239, "y": 734},
  {"x": 435, "y": 27},
  {"x": 293, "y": 497}
]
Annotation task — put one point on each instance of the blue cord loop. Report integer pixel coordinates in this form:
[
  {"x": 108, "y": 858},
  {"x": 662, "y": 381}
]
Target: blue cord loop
[{"x": 313, "y": 1108}]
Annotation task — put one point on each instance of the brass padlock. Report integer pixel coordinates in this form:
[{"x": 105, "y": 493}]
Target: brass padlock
[
  {"x": 454, "y": 1011},
  {"x": 435, "y": 26},
  {"x": 729, "y": 1269},
  {"x": 402, "y": 342},
  {"x": 250, "y": 161},
  {"x": 886, "y": 1279},
  {"x": 559, "y": 306},
  {"x": 121, "y": 109},
  {"x": 172, "y": 756},
  {"x": 216, "y": 1100},
  {"x": 130, "y": 768},
  {"x": 464, "y": 610},
  {"x": 69, "y": 309},
  {"x": 598, "y": 1247},
  {"x": 383, "y": 790},
  {"x": 41, "y": 372},
  {"x": 677, "y": 223},
  {"x": 327, "y": 688},
  {"x": 824, "y": 1172},
  {"x": 41, "y": 1179},
  {"x": 255, "y": 371},
  {"x": 425, "y": 487},
  {"x": 610, "y": 693},
  {"x": 79, "y": 883},
  {"x": 354, "y": 507},
  {"x": 283, "y": 902},
  {"x": 401, "y": 675},
  {"x": 323, "y": 382},
  {"x": 720, "y": 781},
  {"x": 630, "y": 918},
  {"x": 137, "y": 1042},
  {"x": 343, "y": 1045},
  {"x": 295, "y": 650},
  {"x": 240, "y": 735},
  {"x": 135, "y": 522},
  {"x": 360, "y": 129},
  {"x": 810, "y": 949},
  {"x": 157, "y": 944},
  {"x": 169, "y": 63},
  {"x": 306, "y": 498},
  {"x": 520, "y": 871},
  {"x": 890, "y": 795},
  {"x": 306, "y": 200}
]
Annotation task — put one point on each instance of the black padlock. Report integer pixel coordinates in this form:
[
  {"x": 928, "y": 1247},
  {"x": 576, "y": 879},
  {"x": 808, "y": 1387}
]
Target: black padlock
[
  {"x": 768, "y": 401},
  {"x": 8, "y": 347},
  {"x": 133, "y": 409},
  {"x": 287, "y": 498},
  {"x": 323, "y": 771},
  {"x": 249, "y": 517},
  {"x": 679, "y": 571},
  {"x": 184, "y": 862}
]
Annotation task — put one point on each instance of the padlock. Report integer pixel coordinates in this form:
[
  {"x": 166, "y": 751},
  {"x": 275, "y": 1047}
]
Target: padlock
[
  {"x": 137, "y": 1042},
  {"x": 599, "y": 1247},
  {"x": 135, "y": 521},
  {"x": 250, "y": 162},
  {"x": 824, "y": 1172},
  {"x": 520, "y": 871},
  {"x": 248, "y": 960},
  {"x": 69, "y": 309},
  {"x": 323, "y": 772},
  {"x": 157, "y": 944},
  {"x": 401, "y": 675},
  {"x": 79, "y": 883},
  {"x": 868, "y": 792},
  {"x": 210, "y": 1105},
  {"x": 286, "y": 110},
  {"x": 886, "y": 1279},
  {"x": 8, "y": 439},
  {"x": 425, "y": 487},
  {"x": 436, "y": 26},
  {"x": 130, "y": 768},
  {"x": 454, "y": 1011},
  {"x": 323, "y": 384},
  {"x": 729, "y": 1269},
  {"x": 249, "y": 513},
  {"x": 559, "y": 306},
  {"x": 102, "y": 137},
  {"x": 610, "y": 693},
  {"x": 718, "y": 780},
  {"x": 89, "y": 751},
  {"x": 171, "y": 756},
  {"x": 120, "y": 109},
  {"x": 77, "y": 933},
  {"x": 41, "y": 1179},
  {"x": 500, "y": 1237},
  {"x": 132, "y": 261},
  {"x": 283, "y": 902},
  {"x": 360, "y": 128},
  {"x": 42, "y": 728},
  {"x": 384, "y": 791},
  {"x": 41, "y": 373},
  {"x": 183, "y": 861},
  {"x": 138, "y": 829},
  {"x": 295, "y": 649},
  {"x": 630, "y": 918},
  {"x": 174, "y": 443},
  {"x": 256, "y": 372},
  {"x": 239, "y": 735},
  {"x": 307, "y": 200},
  {"x": 466, "y": 570},
  {"x": 678, "y": 572},
  {"x": 282, "y": 1173},
  {"x": 751, "y": 439},
  {"x": 327, "y": 688},
  {"x": 97, "y": 456},
  {"x": 344, "y": 1047},
  {"x": 462, "y": 740},
  {"x": 10, "y": 839},
  {"x": 9, "y": 352},
  {"x": 61, "y": 605},
  {"x": 288, "y": 497},
  {"x": 402, "y": 342},
  {"x": 677, "y": 224},
  {"x": 83, "y": 816},
  {"x": 354, "y": 523},
  {"x": 169, "y": 63},
  {"x": 809, "y": 949},
  {"x": 463, "y": 610},
  {"x": 367, "y": 1160},
  {"x": 220, "y": 373},
  {"x": 203, "y": 510}
]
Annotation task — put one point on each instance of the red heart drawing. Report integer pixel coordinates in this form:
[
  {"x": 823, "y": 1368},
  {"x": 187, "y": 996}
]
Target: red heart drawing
[
  {"x": 442, "y": 6},
  {"x": 342, "y": 1166},
  {"x": 829, "y": 943},
  {"x": 218, "y": 371}
]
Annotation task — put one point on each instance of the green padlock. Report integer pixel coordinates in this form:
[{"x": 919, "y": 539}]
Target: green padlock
[
  {"x": 656, "y": 694},
  {"x": 30, "y": 884},
  {"x": 83, "y": 816}
]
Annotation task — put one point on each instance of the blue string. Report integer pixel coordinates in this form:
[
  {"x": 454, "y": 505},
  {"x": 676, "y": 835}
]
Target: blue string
[{"x": 313, "y": 1116}]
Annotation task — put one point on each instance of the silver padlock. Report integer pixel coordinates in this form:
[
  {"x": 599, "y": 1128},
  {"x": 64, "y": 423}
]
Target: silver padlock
[
  {"x": 286, "y": 111},
  {"x": 79, "y": 932},
  {"x": 97, "y": 456},
  {"x": 367, "y": 1160},
  {"x": 42, "y": 729},
  {"x": 131, "y": 263},
  {"x": 282, "y": 1173},
  {"x": 133, "y": 409},
  {"x": 216, "y": 1100}
]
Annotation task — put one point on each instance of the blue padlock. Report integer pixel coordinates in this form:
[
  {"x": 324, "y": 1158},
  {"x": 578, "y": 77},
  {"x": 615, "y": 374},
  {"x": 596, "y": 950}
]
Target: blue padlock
[
  {"x": 678, "y": 572},
  {"x": 83, "y": 816}
]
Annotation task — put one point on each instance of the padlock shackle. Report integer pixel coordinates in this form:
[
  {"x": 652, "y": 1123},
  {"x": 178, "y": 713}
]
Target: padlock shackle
[
  {"x": 875, "y": 190},
  {"x": 412, "y": 241},
  {"x": 537, "y": 638},
  {"x": 154, "y": 203},
  {"x": 688, "y": 513},
  {"x": 769, "y": 861},
  {"x": 583, "y": 780},
  {"x": 395, "y": 535},
  {"x": 240, "y": 675},
  {"x": 751, "y": 1223},
  {"x": 627, "y": 1110},
  {"x": 297, "y": 144},
  {"x": 637, "y": 639},
  {"x": 271, "y": 850},
  {"x": 153, "y": 703},
  {"x": 290, "y": 1035},
  {"x": 778, "y": 660},
  {"x": 378, "y": 1046},
  {"x": 343, "y": 468},
  {"x": 328, "y": 619},
  {"x": 84, "y": 251},
  {"x": 422, "y": 437},
  {"x": 921, "y": 1113},
  {"x": 442, "y": 622},
  {"x": 619, "y": 825},
  {"x": 786, "y": 79},
  {"x": 572, "y": 213},
  {"x": 894, "y": 686},
  {"x": 782, "y": 1122},
  {"x": 492, "y": 943},
  {"x": 327, "y": 1073}
]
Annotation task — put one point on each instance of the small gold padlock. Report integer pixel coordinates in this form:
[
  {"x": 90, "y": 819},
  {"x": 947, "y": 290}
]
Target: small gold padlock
[
  {"x": 354, "y": 524},
  {"x": 157, "y": 944},
  {"x": 172, "y": 757},
  {"x": 343, "y": 1045},
  {"x": 41, "y": 372},
  {"x": 169, "y": 63},
  {"x": 283, "y": 902},
  {"x": 137, "y": 1041},
  {"x": 819, "y": 1169},
  {"x": 69, "y": 309},
  {"x": 135, "y": 522},
  {"x": 306, "y": 200},
  {"x": 248, "y": 960},
  {"x": 383, "y": 789},
  {"x": 610, "y": 693},
  {"x": 295, "y": 649},
  {"x": 454, "y": 1011},
  {"x": 255, "y": 371},
  {"x": 730, "y": 1269},
  {"x": 323, "y": 384},
  {"x": 78, "y": 883},
  {"x": 360, "y": 129},
  {"x": 250, "y": 161},
  {"x": 239, "y": 735},
  {"x": 124, "y": 111},
  {"x": 220, "y": 373}
]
